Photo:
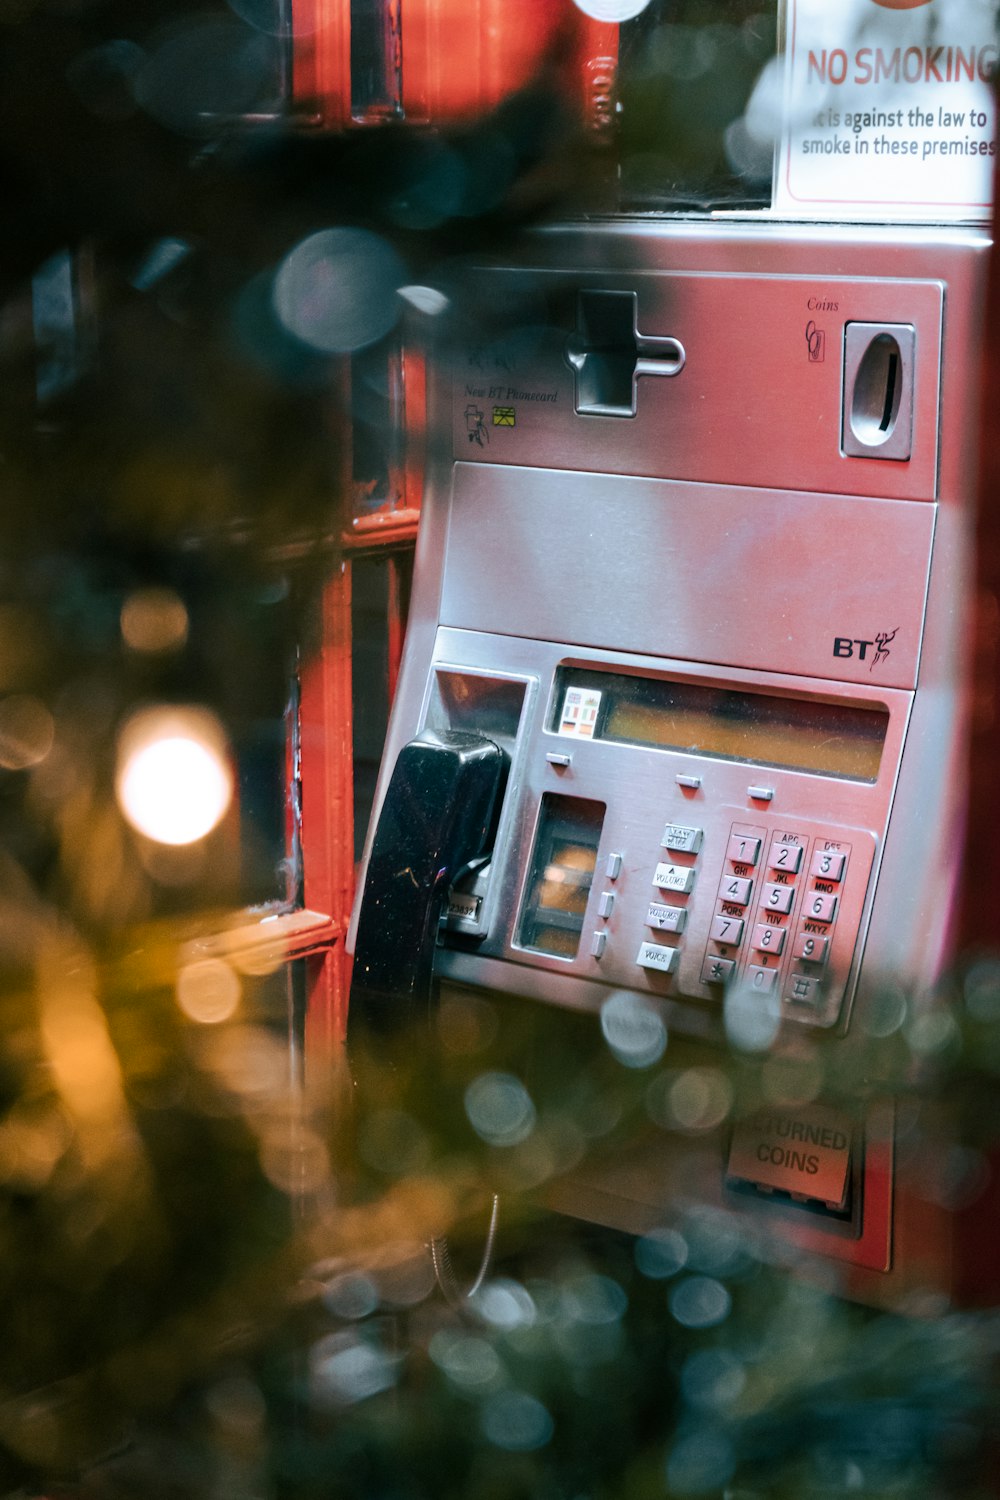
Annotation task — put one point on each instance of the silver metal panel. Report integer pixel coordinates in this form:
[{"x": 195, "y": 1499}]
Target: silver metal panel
[
  {"x": 758, "y": 402},
  {"x": 726, "y": 581},
  {"x": 640, "y": 790},
  {"x": 772, "y": 580}
]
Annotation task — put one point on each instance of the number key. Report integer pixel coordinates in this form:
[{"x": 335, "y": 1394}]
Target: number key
[
  {"x": 779, "y": 898},
  {"x": 736, "y": 890},
  {"x": 727, "y": 930},
  {"x": 811, "y": 947},
  {"x": 786, "y": 857},
  {"x": 828, "y": 864},
  {"x": 768, "y": 939},
  {"x": 743, "y": 849},
  {"x": 820, "y": 908}
]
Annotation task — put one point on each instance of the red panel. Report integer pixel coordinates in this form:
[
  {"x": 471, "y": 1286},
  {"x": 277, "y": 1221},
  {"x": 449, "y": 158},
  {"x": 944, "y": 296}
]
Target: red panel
[
  {"x": 328, "y": 805},
  {"x": 460, "y": 57}
]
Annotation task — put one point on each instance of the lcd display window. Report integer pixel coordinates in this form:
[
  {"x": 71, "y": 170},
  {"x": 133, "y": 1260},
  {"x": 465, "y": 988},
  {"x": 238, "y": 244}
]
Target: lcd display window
[{"x": 828, "y": 739}]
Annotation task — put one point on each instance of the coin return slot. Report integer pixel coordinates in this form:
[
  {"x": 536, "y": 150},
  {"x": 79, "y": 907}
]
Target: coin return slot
[{"x": 802, "y": 1158}]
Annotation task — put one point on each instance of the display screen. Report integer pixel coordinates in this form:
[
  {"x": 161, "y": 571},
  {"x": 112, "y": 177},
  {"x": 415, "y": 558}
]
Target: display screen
[{"x": 829, "y": 739}]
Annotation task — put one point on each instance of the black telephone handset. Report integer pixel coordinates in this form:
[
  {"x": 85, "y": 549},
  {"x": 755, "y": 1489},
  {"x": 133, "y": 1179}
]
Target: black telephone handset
[{"x": 437, "y": 817}]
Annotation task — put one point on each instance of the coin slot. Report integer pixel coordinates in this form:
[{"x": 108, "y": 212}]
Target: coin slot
[{"x": 878, "y": 390}]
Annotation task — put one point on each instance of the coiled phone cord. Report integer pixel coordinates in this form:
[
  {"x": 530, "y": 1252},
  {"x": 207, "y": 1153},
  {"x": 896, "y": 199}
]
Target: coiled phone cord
[{"x": 444, "y": 1272}]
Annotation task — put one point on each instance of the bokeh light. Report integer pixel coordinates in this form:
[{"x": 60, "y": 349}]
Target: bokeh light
[
  {"x": 700, "y": 1302},
  {"x": 352, "y": 1296},
  {"x": 203, "y": 70},
  {"x": 344, "y": 1369},
  {"x": 635, "y": 1033},
  {"x": 337, "y": 290},
  {"x": 208, "y": 991},
  {"x": 27, "y": 732},
  {"x": 713, "y": 1378},
  {"x": 426, "y": 299},
  {"x": 391, "y": 1141},
  {"x": 153, "y": 620},
  {"x": 611, "y": 10},
  {"x": 174, "y": 780},
  {"x": 294, "y": 1157},
  {"x": 469, "y": 1362},
  {"x": 506, "y": 1304},
  {"x": 752, "y": 1019},
  {"x": 499, "y": 1109},
  {"x": 661, "y": 1253},
  {"x": 700, "y": 1463},
  {"x": 516, "y": 1421}
]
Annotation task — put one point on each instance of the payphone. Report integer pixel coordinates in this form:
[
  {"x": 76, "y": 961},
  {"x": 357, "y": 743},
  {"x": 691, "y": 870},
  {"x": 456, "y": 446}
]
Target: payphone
[{"x": 693, "y": 579}]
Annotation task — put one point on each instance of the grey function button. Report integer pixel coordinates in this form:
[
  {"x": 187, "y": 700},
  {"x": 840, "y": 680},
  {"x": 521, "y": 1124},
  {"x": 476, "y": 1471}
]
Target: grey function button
[
  {"x": 613, "y": 868},
  {"x": 680, "y": 839},
  {"x": 605, "y": 903},
  {"x": 666, "y": 918},
  {"x": 679, "y": 878},
  {"x": 652, "y": 956},
  {"x": 598, "y": 943}
]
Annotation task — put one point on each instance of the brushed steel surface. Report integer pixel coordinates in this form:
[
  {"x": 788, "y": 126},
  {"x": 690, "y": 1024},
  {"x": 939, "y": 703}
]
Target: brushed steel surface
[
  {"x": 639, "y": 786},
  {"x": 722, "y": 534},
  {"x": 758, "y": 401},
  {"x": 710, "y": 573}
]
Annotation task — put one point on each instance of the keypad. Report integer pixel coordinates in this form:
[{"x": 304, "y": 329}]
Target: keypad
[
  {"x": 744, "y": 849},
  {"x": 785, "y": 856},
  {"x": 733, "y": 898},
  {"x": 776, "y": 935},
  {"x": 766, "y": 919},
  {"x": 828, "y": 864}
]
